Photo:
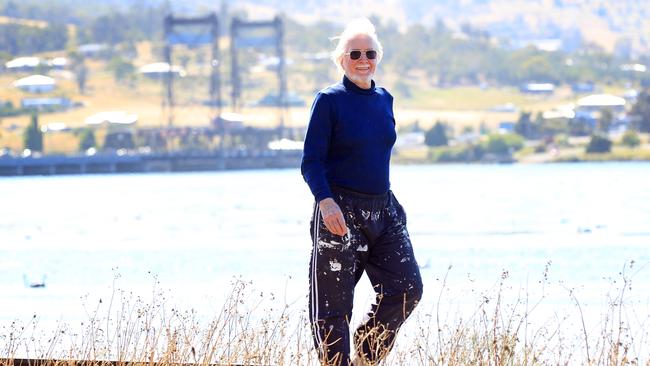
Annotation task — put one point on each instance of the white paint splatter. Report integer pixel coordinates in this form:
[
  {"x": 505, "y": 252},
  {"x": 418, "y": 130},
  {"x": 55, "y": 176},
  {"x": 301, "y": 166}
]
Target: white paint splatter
[
  {"x": 362, "y": 248},
  {"x": 330, "y": 244},
  {"x": 335, "y": 266}
]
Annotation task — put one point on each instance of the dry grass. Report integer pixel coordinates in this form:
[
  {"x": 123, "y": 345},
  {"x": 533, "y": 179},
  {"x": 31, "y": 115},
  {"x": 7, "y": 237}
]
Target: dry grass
[{"x": 500, "y": 329}]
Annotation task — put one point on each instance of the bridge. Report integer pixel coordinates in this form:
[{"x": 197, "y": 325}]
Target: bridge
[{"x": 124, "y": 162}]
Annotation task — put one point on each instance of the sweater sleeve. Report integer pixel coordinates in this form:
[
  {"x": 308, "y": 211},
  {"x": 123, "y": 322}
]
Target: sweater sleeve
[{"x": 317, "y": 141}]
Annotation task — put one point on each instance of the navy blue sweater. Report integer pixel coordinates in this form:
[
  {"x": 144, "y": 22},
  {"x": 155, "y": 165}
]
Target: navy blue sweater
[{"x": 349, "y": 140}]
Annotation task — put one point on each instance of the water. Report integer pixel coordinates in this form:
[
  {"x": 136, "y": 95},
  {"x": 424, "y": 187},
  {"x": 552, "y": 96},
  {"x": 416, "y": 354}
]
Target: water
[{"x": 191, "y": 234}]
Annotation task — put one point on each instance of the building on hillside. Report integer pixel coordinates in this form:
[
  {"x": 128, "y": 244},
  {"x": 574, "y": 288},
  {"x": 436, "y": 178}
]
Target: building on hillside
[
  {"x": 584, "y": 87},
  {"x": 506, "y": 127},
  {"x": 46, "y": 104},
  {"x": 54, "y": 127},
  {"x": 23, "y": 64},
  {"x": 158, "y": 70},
  {"x": 120, "y": 131},
  {"x": 537, "y": 88},
  {"x": 36, "y": 84},
  {"x": 58, "y": 63},
  {"x": 113, "y": 119},
  {"x": 589, "y": 109},
  {"x": 229, "y": 121},
  {"x": 93, "y": 50}
]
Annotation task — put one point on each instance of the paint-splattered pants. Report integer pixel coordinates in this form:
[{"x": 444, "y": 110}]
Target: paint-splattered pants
[{"x": 379, "y": 244}]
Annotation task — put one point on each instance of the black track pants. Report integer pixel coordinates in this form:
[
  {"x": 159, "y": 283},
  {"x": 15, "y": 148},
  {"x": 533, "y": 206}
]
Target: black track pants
[{"x": 379, "y": 244}]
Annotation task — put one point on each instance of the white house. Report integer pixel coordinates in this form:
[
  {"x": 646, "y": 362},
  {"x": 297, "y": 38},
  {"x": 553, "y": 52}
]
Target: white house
[
  {"x": 23, "y": 64},
  {"x": 590, "y": 107},
  {"x": 114, "y": 118},
  {"x": 58, "y": 63},
  {"x": 159, "y": 69},
  {"x": 36, "y": 84}
]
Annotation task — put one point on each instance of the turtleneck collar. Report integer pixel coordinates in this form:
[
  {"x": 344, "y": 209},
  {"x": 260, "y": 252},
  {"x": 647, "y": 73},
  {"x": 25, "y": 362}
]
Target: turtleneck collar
[{"x": 349, "y": 85}]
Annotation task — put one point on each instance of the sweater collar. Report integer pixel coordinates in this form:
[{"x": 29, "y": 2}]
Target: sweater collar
[{"x": 349, "y": 85}]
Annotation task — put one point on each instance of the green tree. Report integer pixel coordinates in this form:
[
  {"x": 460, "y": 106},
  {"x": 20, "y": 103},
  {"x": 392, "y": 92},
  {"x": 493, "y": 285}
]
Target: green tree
[
  {"x": 524, "y": 125},
  {"x": 122, "y": 69},
  {"x": 641, "y": 110},
  {"x": 631, "y": 139},
  {"x": 87, "y": 139},
  {"x": 33, "y": 137},
  {"x": 503, "y": 144},
  {"x": 599, "y": 144},
  {"x": 436, "y": 135},
  {"x": 81, "y": 76},
  {"x": 605, "y": 120}
]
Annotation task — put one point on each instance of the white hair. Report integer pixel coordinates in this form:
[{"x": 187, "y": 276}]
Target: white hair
[{"x": 353, "y": 29}]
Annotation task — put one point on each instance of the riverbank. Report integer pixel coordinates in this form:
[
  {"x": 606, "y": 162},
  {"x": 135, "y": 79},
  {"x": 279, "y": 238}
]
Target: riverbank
[
  {"x": 501, "y": 325},
  {"x": 531, "y": 154}
]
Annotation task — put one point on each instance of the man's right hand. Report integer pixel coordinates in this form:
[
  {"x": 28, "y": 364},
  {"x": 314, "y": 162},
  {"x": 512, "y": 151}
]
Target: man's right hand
[{"x": 333, "y": 217}]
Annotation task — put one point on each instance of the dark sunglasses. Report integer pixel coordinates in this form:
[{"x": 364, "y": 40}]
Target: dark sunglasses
[{"x": 356, "y": 54}]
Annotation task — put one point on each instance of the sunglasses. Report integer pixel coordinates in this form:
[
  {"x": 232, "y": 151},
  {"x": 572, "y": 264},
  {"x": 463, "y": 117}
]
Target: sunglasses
[{"x": 356, "y": 54}]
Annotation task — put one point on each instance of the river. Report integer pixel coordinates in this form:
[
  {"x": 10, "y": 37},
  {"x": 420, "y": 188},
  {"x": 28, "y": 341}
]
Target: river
[{"x": 548, "y": 228}]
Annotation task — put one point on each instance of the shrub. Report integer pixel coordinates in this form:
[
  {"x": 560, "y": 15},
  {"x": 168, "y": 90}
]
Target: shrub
[
  {"x": 503, "y": 144},
  {"x": 631, "y": 139},
  {"x": 455, "y": 154},
  {"x": 599, "y": 144}
]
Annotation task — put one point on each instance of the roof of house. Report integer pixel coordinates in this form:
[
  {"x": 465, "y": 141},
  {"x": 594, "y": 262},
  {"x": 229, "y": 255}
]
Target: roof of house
[
  {"x": 161, "y": 68},
  {"x": 601, "y": 100},
  {"x": 34, "y": 80},
  {"x": 112, "y": 117},
  {"x": 23, "y": 62}
]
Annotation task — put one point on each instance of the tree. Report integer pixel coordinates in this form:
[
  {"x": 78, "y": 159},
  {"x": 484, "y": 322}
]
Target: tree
[
  {"x": 599, "y": 144},
  {"x": 87, "y": 139},
  {"x": 503, "y": 144},
  {"x": 436, "y": 135},
  {"x": 605, "y": 120},
  {"x": 81, "y": 75},
  {"x": 524, "y": 125},
  {"x": 33, "y": 138},
  {"x": 119, "y": 140},
  {"x": 122, "y": 69},
  {"x": 641, "y": 110},
  {"x": 631, "y": 139}
]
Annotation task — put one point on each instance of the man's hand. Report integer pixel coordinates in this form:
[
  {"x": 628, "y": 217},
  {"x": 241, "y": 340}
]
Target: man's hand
[{"x": 333, "y": 217}]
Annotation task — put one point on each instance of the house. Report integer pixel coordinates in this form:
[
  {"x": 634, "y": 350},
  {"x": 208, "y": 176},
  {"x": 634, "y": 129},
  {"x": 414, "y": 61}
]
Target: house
[
  {"x": 157, "y": 70},
  {"x": 586, "y": 87},
  {"x": 36, "y": 84},
  {"x": 22, "y": 64},
  {"x": 115, "y": 120},
  {"x": 589, "y": 108},
  {"x": 58, "y": 63},
  {"x": 46, "y": 103},
  {"x": 55, "y": 127},
  {"x": 506, "y": 127},
  {"x": 228, "y": 121},
  {"x": 537, "y": 88},
  {"x": 93, "y": 50}
]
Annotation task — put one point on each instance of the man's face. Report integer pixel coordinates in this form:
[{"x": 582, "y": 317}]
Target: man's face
[{"x": 359, "y": 71}]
